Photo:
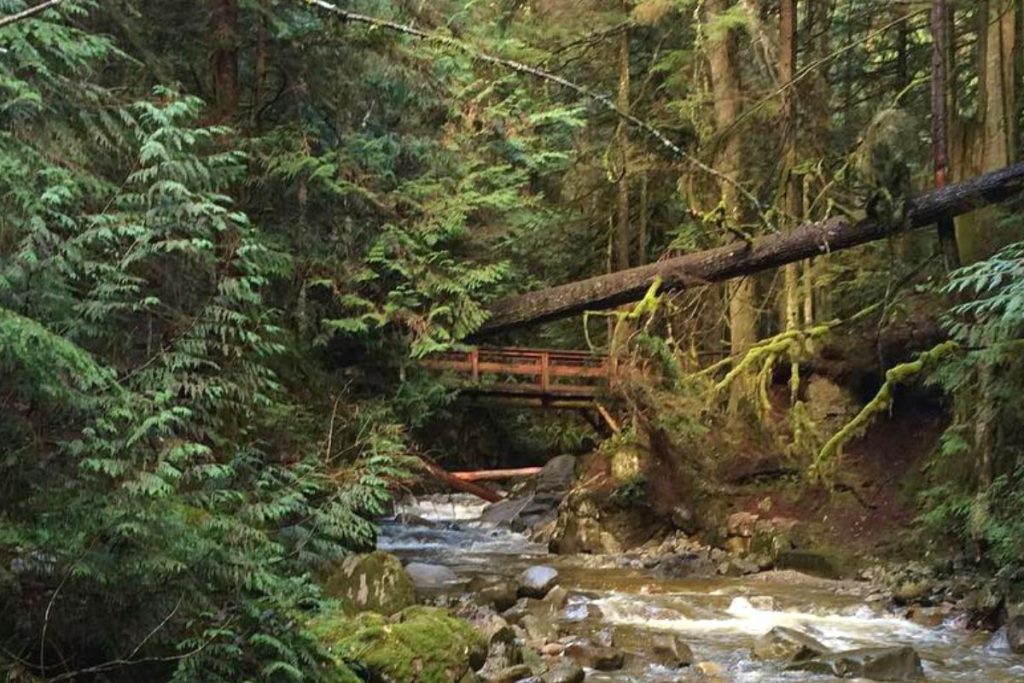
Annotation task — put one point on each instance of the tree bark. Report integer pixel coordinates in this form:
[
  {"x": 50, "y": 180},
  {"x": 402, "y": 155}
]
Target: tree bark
[
  {"x": 622, "y": 238},
  {"x": 444, "y": 477},
  {"x": 793, "y": 201},
  {"x": 940, "y": 127},
  {"x": 224, "y": 29},
  {"x": 727, "y": 89},
  {"x": 742, "y": 258}
]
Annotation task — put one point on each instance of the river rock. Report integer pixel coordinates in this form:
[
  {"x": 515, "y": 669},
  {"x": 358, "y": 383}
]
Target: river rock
[
  {"x": 509, "y": 674},
  {"x": 536, "y": 504},
  {"x": 538, "y": 629},
  {"x": 669, "y": 650},
  {"x": 557, "y": 597},
  {"x": 1015, "y": 634},
  {"x": 809, "y": 562},
  {"x": 501, "y": 593},
  {"x": 374, "y": 582},
  {"x": 787, "y": 645},
  {"x": 430, "y": 576},
  {"x": 686, "y": 564},
  {"x": 535, "y": 582},
  {"x": 564, "y": 672},
  {"x": 891, "y": 664},
  {"x": 590, "y": 655}
]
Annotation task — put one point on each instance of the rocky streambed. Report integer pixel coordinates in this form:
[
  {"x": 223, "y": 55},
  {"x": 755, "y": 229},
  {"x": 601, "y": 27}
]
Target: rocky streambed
[{"x": 629, "y": 617}]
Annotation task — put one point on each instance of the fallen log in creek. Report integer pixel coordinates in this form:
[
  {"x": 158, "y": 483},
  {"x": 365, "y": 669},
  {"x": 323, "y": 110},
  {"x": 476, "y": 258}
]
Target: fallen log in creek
[
  {"x": 496, "y": 475},
  {"x": 745, "y": 258}
]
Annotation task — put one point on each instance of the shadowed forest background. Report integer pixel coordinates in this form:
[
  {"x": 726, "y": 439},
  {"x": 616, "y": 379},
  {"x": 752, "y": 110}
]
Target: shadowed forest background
[{"x": 231, "y": 229}]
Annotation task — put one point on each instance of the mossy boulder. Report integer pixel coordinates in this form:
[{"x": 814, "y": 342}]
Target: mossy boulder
[
  {"x": 417, "y": 645},
  {"x": 374, "y": 582}
]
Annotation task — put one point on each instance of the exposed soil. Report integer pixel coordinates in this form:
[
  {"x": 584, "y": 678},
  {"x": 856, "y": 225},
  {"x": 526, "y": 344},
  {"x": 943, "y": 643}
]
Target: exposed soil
[{"x": 871, "y": 506}]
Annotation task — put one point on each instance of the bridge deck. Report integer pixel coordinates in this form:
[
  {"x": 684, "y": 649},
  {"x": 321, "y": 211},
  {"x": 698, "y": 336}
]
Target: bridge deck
[{"x": 521, "y": 374}]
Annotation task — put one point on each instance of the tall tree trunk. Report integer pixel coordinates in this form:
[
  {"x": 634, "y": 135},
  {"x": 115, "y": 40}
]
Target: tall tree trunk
[
  {"x": 793, "y": 201},
  {"x": 997, "y": 94},
  {"x": 225, "y": 34},
  {"x": 622, "y": 231},
  {"x": 993, "y": 142},
  {"x": 727, "y": 91},
  {"x": 641, "y": 224},
  {"x": 940, "y": 126}
]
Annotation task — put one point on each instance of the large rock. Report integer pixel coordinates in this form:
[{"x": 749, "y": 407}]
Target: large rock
[
  {"x": 891, "y": 664},
  {"x": 499, "y": 592},
  {"x": 535, "y": 582},
  {"x": 591, "y": 655},
  {"x": 669, "y": 650},
  {"x": 787, "y": 645},
  {"x": 431, "y": 577},
  {"x": 374, "y": 582},
  {"x": 1015, "y": 634},
  {"x": 535, "y": 505},
  {"x": 564, "y": 672},
  {"x": 597, "y": 522},
  {"x": 417, "y": 645}
]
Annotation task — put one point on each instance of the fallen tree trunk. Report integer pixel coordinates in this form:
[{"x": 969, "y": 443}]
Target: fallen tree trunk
[
  {"x": 744, "y": 258},
  {"x": 496, "y": 475},
  {"x": 459, "y": 484}
]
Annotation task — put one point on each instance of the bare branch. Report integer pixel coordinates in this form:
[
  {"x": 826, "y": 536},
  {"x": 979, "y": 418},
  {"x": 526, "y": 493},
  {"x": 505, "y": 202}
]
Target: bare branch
[{"x": 27, "y": 13}]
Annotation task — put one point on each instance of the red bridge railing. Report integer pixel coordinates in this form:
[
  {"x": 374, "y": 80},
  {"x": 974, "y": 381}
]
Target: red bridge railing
[{"x": 524, "y": 372}]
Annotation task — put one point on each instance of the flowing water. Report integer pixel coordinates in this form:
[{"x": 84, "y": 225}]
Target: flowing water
[{"x": 719, "y": 618}]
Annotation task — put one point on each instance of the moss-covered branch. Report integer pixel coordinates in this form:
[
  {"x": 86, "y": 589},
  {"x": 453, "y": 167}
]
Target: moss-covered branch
[{"x": 880, "y": 403}]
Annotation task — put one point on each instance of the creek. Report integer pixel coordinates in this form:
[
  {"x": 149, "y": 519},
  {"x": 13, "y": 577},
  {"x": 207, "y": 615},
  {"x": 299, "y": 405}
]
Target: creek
[{"x": 719, "y": 617}]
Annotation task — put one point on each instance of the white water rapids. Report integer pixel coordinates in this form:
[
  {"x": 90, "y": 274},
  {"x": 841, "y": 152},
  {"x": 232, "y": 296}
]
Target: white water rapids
[{"x": 720, "y": 618}]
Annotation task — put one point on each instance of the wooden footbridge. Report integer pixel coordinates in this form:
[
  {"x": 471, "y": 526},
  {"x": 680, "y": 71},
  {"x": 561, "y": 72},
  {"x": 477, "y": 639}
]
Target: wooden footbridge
[{"x": 531, "y": 377}]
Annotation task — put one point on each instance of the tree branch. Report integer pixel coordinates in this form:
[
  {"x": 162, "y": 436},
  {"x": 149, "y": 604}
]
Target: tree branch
[{"x": 27, "y": 13}]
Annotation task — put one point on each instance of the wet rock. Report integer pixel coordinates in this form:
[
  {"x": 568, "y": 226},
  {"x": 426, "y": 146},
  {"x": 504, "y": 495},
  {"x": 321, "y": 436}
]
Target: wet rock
[
  {"x": 501, "y": 593},
  {"x": 1015, "y": 634},
  {"x": 557, "y": 597},
  {"x": 809, "y": 562},
  {"x": 787, "y": 645},
  {"x": 683, "y": 565},
  {"x": 912, "y": 590},
  {"x": 597, "y": 522},
  {"x": 538, "y": 629},
  {"x": 669, "y": 650},
  {"x": 431, "y": 576},
  {"x": 590, "y": 655},
  {"x": 564, "y": 672},
  {"x": 710, "y": 670},
  {"x": 891, "y": 664},
  {"x": 523, "y": 607},
  {"x": 509, "y": 674},
  {"x": 374, "y": 582},
  {"x": 535, "y": 582},
  {"x": 535, "y": 505}
]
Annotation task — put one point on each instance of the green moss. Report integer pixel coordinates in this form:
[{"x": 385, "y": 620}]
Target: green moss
[
  {"x": 417, "y": 645},
  {"x": 374, "y": 581}
]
